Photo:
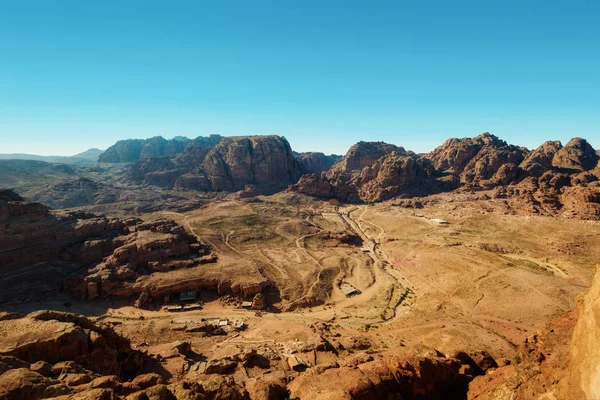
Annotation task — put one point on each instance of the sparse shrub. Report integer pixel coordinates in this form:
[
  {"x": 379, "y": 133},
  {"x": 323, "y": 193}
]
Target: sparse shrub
[{"x": 517, "y": 359}]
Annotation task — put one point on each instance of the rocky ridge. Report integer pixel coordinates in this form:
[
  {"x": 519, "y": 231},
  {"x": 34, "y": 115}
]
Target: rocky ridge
[
  {"x": 551, "y": 179},
  {"x": 133, "y": 150},
  {"x": 226, "y": 164},
  {"x": 49, "y": 354}
]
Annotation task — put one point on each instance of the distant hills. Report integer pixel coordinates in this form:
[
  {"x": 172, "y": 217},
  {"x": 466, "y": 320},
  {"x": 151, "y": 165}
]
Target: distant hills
[{"x": 87, "y": 157}]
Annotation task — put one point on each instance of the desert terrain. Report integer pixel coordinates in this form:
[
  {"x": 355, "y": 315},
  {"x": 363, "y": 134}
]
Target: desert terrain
[{"x": 381, "y": 275}]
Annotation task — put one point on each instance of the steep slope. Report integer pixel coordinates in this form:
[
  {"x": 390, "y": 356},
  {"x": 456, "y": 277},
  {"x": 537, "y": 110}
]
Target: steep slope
[
  {"x": 222, "y": 164},
  {"x": 551, "y": 179},
  {"x": 362, "y": 154},
  {"x": 132, "y": 150},
  {"x": 560, "y": 362},
  {"x": 251, "y": 160},
  {"x": 577, "y": 155},
  {"x": 39, "y": 248},
  {"x": 314, "y": 162}
]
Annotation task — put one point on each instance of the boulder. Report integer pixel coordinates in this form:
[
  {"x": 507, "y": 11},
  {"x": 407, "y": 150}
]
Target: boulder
[
  {"x": 145, "y": 381},
  {"x": 23, "y": 384}
]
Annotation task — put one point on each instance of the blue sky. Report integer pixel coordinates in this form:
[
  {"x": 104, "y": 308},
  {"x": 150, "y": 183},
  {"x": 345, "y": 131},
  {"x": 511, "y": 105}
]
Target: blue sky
[{"x": 324, "y": 74}]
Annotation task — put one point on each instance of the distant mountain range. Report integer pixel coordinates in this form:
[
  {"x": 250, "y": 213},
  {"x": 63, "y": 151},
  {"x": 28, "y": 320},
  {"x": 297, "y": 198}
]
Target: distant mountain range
[{"x": 87, "y": 157}]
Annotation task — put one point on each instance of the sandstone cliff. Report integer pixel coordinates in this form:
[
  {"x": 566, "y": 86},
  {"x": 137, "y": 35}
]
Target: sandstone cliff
[
  {"x": 312, "y": 162},
  {"x": 551, "y": 179},
  {"x": 227, "y": 164},
  {"x": 584, "y": 379},
  {"x": 40, "y": 249},
  {"x": 362, "y": 154},
  {"x": 251, "y": 160},
  {"x": 559, "y": 362},
  {"x": 133, "y": 150}
]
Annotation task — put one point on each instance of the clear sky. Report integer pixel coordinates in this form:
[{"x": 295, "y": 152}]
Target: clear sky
[{"x": 324, "y": 74}]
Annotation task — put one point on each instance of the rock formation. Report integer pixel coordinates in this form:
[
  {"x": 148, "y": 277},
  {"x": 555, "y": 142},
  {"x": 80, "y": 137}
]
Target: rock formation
[
  {"x": 39, "y": 249},
  {"x": 225, "y": 164},
  {"x": 551, "y": 179},
  {"x": 391, "y": 175},
  {"x": 362, "y": 154},
  {"x": 145, "y": 248},
  {"x": 259, "y": 160},
  {"x": 132, "y": 150},
  {"x": 577, "y": 155},
  {"x": 315, "y": 163},
  {"x": 454, "y": 155},
  {"x": 540, "y": 160},
  {"x": 559, "y": 362}
]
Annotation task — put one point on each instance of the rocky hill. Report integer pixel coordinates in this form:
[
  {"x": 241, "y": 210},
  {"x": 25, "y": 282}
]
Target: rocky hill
[
  {"x": 373, "y": 171},
  {"x": 133, "y": 150},
  {"x": 363, "y": 154},
  {"x": 229, "y": 164},
  {"x": 551, "y": 179},
  {"x": 39, "y": 249},
  {"x": 314, "y": 162},
  {"x": 250, "y": 160}
]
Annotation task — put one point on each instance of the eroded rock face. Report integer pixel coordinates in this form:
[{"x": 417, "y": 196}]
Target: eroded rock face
[
  {"x": 488, "y": 162},
  {"x": 549, "y": 180},
  {"x": 560, "y": 361},
  {"x": 132, "y": 150},
  {"x": 53, "y": 337},
  {"x": 455, "y": 154},
  {"x": 257, "y": 160},
  {"x": 577, "y": 155},
  {"x": 362, "y": 154},
  {"x": 31, "y": 235},
  {"x": 40, "y": 249},
  {"x": 227, "y": 164},
  {"x": 165, "y": 171},
  {"x": 539, "y": 161},
  {"x": 315, "y": 163},
  {"x": 417, "y": 378},
  {"x": 585, "y": 347},
  {"x": 146, "y": 248},
  {"x": 392, "y": 175}
]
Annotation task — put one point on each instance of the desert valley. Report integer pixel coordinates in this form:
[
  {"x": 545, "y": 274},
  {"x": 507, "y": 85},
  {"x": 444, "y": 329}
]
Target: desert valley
[{"x": 236, "y": 268}]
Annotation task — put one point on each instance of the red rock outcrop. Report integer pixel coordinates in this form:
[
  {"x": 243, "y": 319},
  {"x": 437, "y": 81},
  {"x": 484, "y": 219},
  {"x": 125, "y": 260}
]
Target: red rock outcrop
[
  {"x": 455, "y": 154},
  {"x": 561, "y": 361},
  {"x": 577, "y": 155},
  {"x": 539, "y": 161},
  {"x": 362, "y": 154},
  {"x": 389, "y": 375},
  {"x": 147, "y": 248},
  {"x": 226, "y": 164},
  {"x": 391, "y": 175},
  {"x": 259, "y": 160},
  {"x": 40, "y": 250},
  {"x": 315, "y": 163},
  {"x": 133, "y": 150},
  {"x": 551, "y": 179},
  {"x": 53, "y": 337}
]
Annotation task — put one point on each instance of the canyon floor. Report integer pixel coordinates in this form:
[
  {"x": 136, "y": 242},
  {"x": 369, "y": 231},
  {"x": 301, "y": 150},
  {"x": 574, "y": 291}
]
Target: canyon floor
[{"x": 459, "y": 274}]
